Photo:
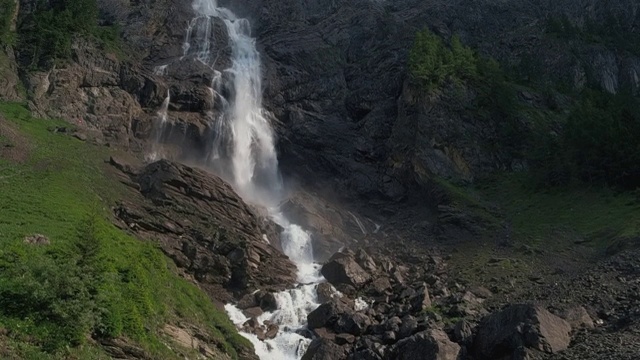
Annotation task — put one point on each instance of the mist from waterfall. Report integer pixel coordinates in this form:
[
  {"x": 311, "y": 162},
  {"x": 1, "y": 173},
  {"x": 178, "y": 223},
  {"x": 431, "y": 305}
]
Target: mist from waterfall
[{"x": 243, "y": 152}]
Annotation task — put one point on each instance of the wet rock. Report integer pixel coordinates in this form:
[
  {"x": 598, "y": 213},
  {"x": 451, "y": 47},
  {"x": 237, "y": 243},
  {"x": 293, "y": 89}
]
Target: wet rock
[
  {"x": 427, "y": 345},
  {"x": 325, "y": 292},
  {"x": 393, "y": 324},
  {"x": 252, "y": 312},
  {"x": 369, "y": 348},
  {"x": 267, "y": 301},
  {"x": 521, "y": 326},
  {"x": 389, "y": 337},
  {"x": 247, "y": 301},
  {"x": 343, "y": 269},
  {"x": 272, "y": 331},
  {"x": 323, "y": 349}
]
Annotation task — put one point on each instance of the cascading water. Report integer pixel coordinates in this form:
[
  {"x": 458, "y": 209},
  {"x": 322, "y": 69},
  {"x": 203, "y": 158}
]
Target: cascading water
[
  {"x": 244, "y": 149},
  {"x": 163, "y": 116},
  {"x": 242, "y": 126}
]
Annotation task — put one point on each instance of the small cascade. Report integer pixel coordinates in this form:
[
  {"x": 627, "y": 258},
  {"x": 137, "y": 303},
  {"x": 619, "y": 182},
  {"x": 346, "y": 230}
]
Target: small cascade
[
  {"x": 359, "y": 223},
  {"x": 159, "y": 128}
]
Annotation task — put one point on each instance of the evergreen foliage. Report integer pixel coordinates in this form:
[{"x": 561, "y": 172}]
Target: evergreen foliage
[
  {"x": 7, "y": 10},
  {"x": 431, "y": 62},
  {"x": 597, "y": 144},
  {"x": 601, "y": 136},
  {"x": 46, "y": 34}
]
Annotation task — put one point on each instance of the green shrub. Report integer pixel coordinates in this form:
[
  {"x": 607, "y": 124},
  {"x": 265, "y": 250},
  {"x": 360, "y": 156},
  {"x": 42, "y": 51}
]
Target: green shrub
[
  {"x": 46, "y": 34},
  {"x": 431, "y": 62},
  {"x": 7, "y": 11}
]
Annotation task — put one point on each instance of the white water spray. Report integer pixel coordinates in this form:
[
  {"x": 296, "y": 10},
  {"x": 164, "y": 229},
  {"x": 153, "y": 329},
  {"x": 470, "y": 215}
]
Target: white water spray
[
  {"x": 161, "y": 122},
  {"x": 244, "y": 153}
]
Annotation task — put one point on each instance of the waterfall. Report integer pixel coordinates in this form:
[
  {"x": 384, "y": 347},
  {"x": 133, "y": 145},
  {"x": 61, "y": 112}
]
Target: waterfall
[
  {"x": 161, "y": 122},
  {"x": 243, "y": 152}
]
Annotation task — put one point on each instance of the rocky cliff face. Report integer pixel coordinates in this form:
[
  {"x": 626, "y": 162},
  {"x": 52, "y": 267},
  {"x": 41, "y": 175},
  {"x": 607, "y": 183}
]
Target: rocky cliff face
[
  {"x": 336, "y": 81},
  {"x": 205, "y": 228}
]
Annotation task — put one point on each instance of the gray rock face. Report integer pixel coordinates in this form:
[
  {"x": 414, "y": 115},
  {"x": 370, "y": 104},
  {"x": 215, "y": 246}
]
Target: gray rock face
[
  {"x": 9, "y": 80},
  {"x": 518, "y": 327},
  {"x": 206, "y": 228},
  {"x": 427, "y": 345},
  {"x": 335, "y": 79}
]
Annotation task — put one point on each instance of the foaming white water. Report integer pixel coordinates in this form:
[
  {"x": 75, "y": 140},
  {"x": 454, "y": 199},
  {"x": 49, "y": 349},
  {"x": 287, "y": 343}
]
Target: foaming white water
[
  {"x": 296, "y": 244},
  {"x": 244, "y": 154}
]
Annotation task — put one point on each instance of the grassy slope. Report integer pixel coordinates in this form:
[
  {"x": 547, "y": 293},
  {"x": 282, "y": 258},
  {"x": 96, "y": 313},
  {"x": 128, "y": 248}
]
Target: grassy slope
[
  {"x": 595, "y": 214},
  {"x": 93, "y": 278},
  {"x": 563, "y": 228}
]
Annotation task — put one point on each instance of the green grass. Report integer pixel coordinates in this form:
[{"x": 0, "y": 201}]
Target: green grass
[
  {"x": 93, "y": 280},
  {"x": 595, "y": 214}
]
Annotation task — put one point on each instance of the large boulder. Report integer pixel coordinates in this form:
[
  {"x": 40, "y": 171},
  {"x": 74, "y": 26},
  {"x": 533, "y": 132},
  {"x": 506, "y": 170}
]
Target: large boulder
[
  {"x": 343, "y": 269},
  {"x": 426, "y": 345},
  {"x": 519, "y": 327},
  {"x": 327, "y": 314},
  {"x": 323, "y": 349}
]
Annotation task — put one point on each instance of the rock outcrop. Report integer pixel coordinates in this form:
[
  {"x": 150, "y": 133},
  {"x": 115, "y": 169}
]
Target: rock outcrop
[
  {"x": 206, "y": 228},
  {"x": 427, "y": 345}
]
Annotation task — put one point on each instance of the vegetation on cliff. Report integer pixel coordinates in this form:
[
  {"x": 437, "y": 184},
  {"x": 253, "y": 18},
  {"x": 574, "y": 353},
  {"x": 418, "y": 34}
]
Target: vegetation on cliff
[
  {"x": 431, "y": 62},
  {"x": 92, "y": 282},
  {"x": 591, "y": 141},
  {"x": 7, "y": 11},
  {"x": 46, "y": 34}
]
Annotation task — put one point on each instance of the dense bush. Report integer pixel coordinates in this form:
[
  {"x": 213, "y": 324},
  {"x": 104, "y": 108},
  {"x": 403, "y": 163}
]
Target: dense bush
[
  {"x": 7, "y": 9},
  {"x": 601, "y": 137},
  {"x": 431, "y": 62},
  {"x": 46, "y": 34},
  {"x": 66, "y": 292},
  {"x": 598, "y": 143}
]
